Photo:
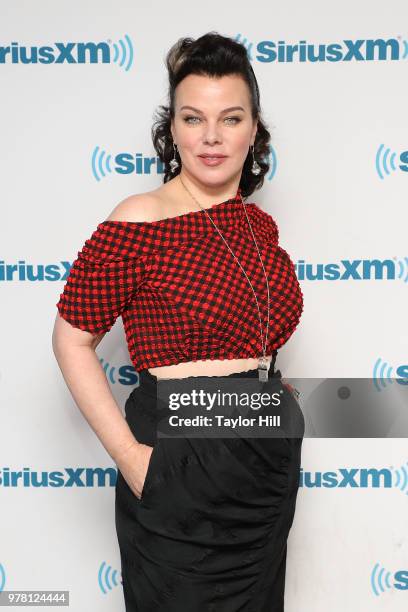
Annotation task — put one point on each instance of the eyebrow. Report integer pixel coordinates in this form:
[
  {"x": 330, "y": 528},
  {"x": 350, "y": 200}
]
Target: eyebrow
[{"x": 226, "y": 110}]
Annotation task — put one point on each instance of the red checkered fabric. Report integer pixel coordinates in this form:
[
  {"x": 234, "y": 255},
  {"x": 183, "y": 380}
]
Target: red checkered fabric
[{"x": 181, "y": 294}]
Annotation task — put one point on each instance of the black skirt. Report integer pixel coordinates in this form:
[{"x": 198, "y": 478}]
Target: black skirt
[{"x": 209, "y": 533}]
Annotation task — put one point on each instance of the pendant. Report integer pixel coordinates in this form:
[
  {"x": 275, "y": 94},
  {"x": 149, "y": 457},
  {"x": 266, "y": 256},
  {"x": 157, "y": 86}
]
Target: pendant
[{"x": 263, "y": 369}]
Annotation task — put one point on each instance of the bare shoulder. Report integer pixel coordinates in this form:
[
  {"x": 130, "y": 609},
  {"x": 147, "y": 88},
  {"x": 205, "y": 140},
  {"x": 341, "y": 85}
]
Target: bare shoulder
[{"x": 137, "y": 207}]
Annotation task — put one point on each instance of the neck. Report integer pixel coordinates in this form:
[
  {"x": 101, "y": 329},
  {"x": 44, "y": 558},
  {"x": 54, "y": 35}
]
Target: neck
[{"x": 206, "y": 195}]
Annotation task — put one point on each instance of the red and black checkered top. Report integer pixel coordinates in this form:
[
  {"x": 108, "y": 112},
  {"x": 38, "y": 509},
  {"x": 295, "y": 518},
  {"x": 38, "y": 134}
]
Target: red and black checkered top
[{"x": 180, "y": 292}]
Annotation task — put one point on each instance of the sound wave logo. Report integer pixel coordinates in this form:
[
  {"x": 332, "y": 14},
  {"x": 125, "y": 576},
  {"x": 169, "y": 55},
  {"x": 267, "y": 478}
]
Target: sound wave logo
[
  {"x": 2, "y": 577},
  {"x": 401, "y": 478},
  {"x": 273, "y": 161},
  {"x": 123, "y": 52},
  {"x": 109, "y": 370},
  {"x": 107, "y": 578},
  {"x": 385, "y": 161},
  {"x": 382, "y": 373},
  {"x": 100, "y": 163},
  {"x": 380, "y": 579},
  {"x": 248, "y": 45},
  {"x": 402, "y": 267}
]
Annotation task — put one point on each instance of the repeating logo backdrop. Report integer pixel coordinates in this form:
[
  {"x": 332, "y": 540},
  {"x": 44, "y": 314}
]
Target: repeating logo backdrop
[{"x": 79, "y": 87}]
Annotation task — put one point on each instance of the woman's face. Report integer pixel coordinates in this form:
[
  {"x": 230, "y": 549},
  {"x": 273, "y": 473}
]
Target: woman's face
[{"x": 213, "y": 117}]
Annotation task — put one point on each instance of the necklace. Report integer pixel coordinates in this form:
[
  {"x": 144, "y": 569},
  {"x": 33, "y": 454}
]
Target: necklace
[{"x": 263, "y": 364}]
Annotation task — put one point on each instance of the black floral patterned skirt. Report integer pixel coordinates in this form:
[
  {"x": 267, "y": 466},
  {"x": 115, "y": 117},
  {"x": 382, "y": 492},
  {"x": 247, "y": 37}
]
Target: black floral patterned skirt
[{"x": 209, "y": 533}]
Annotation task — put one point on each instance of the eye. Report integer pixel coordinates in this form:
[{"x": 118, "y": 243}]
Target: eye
[
  {"x": 236, "y": 119},
  {"x": 187, "y": 119}
]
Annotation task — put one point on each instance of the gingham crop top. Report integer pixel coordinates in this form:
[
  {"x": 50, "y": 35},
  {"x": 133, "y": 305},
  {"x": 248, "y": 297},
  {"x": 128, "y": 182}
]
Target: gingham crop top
[{"x": 180, "y": 292}]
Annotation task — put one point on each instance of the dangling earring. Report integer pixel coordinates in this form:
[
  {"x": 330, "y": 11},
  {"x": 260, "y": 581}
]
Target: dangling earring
[
  {"x": 173, "y": 162},
  {"x": 256, "y": 168}
]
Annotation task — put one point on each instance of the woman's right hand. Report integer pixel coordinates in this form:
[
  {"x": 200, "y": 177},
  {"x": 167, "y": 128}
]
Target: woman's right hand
[{"x": 133, "y": 465}]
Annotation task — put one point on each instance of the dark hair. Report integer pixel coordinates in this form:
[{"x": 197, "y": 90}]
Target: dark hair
[{"x": 211, "y": 55}]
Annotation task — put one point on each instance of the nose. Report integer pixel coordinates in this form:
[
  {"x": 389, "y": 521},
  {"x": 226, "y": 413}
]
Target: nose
[{"x": 211, "y": 134}]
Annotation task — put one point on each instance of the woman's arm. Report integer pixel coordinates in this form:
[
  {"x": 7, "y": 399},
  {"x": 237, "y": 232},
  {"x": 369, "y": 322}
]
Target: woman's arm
[{"x": 74, "y": 350}]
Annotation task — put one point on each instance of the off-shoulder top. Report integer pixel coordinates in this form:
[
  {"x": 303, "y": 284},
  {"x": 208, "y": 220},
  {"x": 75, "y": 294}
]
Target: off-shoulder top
[{"x": 180, "y": 292}]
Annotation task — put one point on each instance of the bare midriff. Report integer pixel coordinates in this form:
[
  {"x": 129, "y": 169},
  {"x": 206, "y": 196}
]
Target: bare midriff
[{"x": 207, "y": 367}]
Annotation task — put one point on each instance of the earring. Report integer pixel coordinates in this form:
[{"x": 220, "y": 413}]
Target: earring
[
  {"x": 256, "y": 168},
  {"x": 173, "y": 162}
]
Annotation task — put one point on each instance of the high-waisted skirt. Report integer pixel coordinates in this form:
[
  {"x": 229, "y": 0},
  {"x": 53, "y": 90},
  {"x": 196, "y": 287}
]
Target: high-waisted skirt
[{"x": 209, "y": 532}]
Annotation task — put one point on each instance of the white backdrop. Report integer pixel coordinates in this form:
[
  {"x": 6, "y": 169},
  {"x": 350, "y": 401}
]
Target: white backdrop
[{"x": 337, "y": 193}]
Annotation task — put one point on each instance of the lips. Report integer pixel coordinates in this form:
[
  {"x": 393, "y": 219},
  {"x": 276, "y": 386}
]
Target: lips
[
  {"x": 213, "y": 156},
  {"x": 213, "y": 160}
]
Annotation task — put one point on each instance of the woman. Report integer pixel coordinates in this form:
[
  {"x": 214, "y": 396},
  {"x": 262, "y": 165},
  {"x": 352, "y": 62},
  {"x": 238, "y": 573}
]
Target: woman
[{"x": 197, "y": 275}]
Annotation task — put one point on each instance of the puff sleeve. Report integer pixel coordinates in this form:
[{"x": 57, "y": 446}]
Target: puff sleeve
[{"x": 103, "y": 279}]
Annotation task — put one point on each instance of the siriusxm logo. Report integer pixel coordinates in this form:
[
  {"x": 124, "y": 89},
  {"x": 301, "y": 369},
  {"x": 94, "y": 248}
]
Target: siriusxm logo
[
  {"x": 68, "y": 477},
  {"x": 357, "y": 478},
  {"x": 104, "y": 163},
  {"x": 345, "y": 269},
  {"x": 385, "y": 161},
  {"x": 381, "y": 580},
  {"x": 361, "y": 50},
  {"x": 120, "y": 53},
  {"x": 356, "y": 269}
]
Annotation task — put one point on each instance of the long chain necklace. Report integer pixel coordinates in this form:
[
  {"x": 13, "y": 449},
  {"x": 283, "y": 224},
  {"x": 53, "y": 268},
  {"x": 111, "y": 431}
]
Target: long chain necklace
[{"x": 263, "y": 364}]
